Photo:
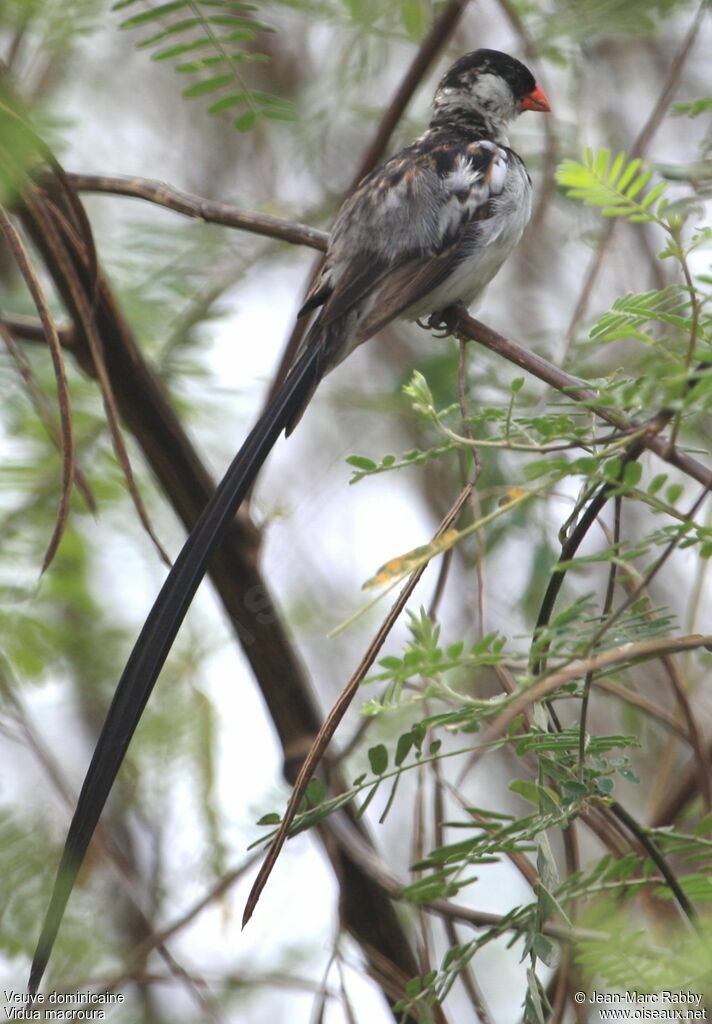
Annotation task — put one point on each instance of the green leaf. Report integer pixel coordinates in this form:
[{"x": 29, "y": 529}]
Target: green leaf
[
  {"x": 196, "y": 44},
  {"x": 245, "y": 121},
  {"x": 403, "y": 747},
  {"x": 270, "y": 819},
  {"x": 628, "y": 174},
  {"x": 414, "y": 18},
  {"x": 612, "y": 469},
  {"x": 673, "y": 492},
  {"x": 361, "y": 462},
  {"x": 543, "y": 949},
  {"x": 418, "y": 389},
  {"x": 632, "y": 474},
  {"x": 232, "y": 100},
  {"x": 378, "y": 759},
  {"x": 653, "y": 195},
  {"x": 640, "y": 182},
  {"x": 170, "y": 30},
  {"x": 208, "y": 85},
  {"x": 413, "y": 988},
  {"x": 614, "y": 187},
  {"x": 692, "y": 108},
  {"x": 154, "y": 13},
  {"x": 233, "y": 19},
  {"x": 526, "y": 789},
  {"x": 315, "y": 791},
  {"x": 194, "y": 67},
  {"x": 390, "y": 662}
]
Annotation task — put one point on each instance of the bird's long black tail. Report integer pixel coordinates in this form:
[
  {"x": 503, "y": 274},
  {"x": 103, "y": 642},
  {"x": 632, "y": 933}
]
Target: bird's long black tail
[{"x": 158, "y": 633}]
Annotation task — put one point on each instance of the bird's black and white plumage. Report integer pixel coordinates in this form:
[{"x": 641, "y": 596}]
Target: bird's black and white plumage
[
  {"x": 429, "y": 228},
  {"x": 433, "y": 225}
]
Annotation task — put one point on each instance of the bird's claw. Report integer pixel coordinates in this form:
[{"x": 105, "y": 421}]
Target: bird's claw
[{"x": 435, "y": 323}]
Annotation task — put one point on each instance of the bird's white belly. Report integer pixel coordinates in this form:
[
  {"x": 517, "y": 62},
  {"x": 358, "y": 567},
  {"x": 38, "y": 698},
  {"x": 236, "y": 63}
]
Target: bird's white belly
[{"x": 493, "y": 239}]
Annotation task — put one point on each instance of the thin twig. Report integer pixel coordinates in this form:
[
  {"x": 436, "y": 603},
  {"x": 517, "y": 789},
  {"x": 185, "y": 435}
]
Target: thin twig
[
  {"x": 577, "y": 668},
  {"x": 641, "y": 834},
  {"x": 24, "y": 265},
  {"x": 43, "y": 408},
  {"x": 30, "y": 329},
  {"x": 460, "y": 323},
  {"x": 336, "y": 714},
  {"x": 66, "y": 243}
]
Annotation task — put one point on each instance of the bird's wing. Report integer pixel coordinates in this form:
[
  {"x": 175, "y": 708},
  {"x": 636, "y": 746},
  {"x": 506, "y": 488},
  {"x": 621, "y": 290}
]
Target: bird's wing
[
  {"x": 405, "y": 225},
  {"x": 406, "y": 285}
]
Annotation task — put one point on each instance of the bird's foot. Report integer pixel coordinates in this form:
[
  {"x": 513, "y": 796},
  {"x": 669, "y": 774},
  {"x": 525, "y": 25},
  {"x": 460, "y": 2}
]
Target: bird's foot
[
  {"x": 435, "y": 323},
  {"x": 441, "y": 322}
]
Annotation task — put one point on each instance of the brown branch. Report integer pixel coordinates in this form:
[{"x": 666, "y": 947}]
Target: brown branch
[
  {"x": 462, "y": 324},
  {"x": 41, "y": 404},
  {"x": 643, "y": 650},
  {"x": 385, "y": 877},
  {"x": 26, "y": 269},
  {"x": 190, "y": 205},
  {"x": 61, "y": 236},
  {"x": 27, "y": 328},
  {"x": 459, "y": 322}
]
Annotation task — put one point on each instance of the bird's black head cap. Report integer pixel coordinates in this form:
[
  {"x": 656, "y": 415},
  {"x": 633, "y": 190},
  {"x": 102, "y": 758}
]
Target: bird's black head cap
[{"x": 462, "y": 73}]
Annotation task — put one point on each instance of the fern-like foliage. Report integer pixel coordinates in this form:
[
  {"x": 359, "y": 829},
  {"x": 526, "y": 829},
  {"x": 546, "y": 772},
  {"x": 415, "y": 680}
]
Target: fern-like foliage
[
  {"x": 630, "y": 313},
  {"x": 206, "y": 39},
  {"x": 618, "y": 185}
]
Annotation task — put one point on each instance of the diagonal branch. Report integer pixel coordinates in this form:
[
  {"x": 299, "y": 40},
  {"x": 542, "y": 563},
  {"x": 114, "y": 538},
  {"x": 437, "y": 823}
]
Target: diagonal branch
[
  {"x": 191, "y": 205},
  {"x": 460, "y": 323},
  {"x": 333, "y": 719}
]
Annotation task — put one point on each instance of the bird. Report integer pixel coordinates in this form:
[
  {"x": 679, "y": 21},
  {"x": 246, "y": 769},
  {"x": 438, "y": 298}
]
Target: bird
[{"x": 426, "y": 230}]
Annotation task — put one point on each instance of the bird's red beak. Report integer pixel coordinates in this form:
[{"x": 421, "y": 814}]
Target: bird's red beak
[{"x": 535, "y": 100}]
